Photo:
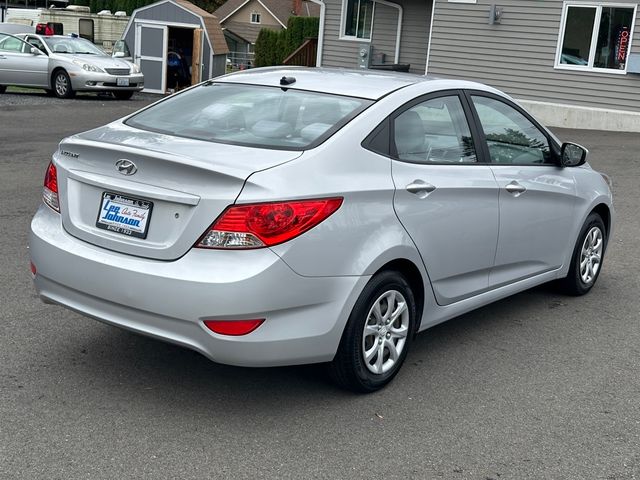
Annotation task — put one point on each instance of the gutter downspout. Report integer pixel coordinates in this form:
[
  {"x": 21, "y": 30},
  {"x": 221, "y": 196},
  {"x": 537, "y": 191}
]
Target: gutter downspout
[
  {"x": 398, "y": 29},
  {"x": 433, "y": 11},
  {"x": 323, "y": 9}
]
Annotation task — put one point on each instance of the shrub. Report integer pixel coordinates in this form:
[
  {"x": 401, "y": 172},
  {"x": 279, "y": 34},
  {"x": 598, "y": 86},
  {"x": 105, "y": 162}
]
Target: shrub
[{"x": 273, "y": 46}]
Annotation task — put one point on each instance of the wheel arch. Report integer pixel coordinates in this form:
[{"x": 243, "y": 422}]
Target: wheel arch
[
  {"x": 414, "y": 277},
  {"x": 603, "y": 210},
  {"x": 53, "y": 74},
  {"x": 52, "y": 83}
]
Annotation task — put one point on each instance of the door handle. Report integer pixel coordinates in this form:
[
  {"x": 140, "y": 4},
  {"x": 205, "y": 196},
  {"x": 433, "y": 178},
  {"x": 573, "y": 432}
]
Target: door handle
[
  {"x": 420, "y": 188},
  {"x": 515, "y": 188},
  {"x": 2, "y": 57}
]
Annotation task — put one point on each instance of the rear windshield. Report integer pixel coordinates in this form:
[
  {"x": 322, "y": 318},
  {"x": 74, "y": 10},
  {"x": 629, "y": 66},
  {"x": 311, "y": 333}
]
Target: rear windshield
[{"x": 250, "y": 115}]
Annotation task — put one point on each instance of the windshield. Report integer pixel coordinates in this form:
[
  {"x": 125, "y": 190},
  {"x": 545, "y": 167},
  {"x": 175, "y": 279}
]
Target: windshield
[
  {"x": 72, "y": 45},
  {"x": 251, "y": 115}
]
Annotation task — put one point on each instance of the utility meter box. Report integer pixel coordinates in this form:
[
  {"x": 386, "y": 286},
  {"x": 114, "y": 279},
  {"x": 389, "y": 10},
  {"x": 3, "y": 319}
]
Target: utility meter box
[{"x": 364, "y": 55}]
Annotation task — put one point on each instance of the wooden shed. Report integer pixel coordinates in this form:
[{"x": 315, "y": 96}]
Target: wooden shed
[{"x": 164, "y": 31}]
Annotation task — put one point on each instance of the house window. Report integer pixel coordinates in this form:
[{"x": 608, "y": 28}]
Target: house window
[
  {"x": 255, "y": 18},
  {"x": 357, "y": 19},
  {"x": 596, "y": 37}
]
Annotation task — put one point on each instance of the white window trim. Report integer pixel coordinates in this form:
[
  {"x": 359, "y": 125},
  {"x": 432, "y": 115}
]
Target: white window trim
[
  {"x": 594, "y": 37},
  {"x": 343, "y": 19},
  {"x": 259, "y": 18},
  {"x": 462, "y": 1}
]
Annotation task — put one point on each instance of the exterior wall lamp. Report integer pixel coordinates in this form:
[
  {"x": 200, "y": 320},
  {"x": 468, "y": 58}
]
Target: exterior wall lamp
[{"x": 495, "y": 14}]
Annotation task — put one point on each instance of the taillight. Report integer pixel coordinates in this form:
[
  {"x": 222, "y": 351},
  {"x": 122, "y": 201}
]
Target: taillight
[
  {"x": 266, "y": 224},
  {"x": 50, "y": 189},
  {"x": 233, "y": 327}
]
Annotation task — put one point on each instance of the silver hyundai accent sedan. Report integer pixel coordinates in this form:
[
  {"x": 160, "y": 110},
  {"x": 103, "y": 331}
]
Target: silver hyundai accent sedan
[{"x": 277, "y": 217}]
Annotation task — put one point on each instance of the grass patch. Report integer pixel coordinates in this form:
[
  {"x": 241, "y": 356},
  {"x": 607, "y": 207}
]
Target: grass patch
[{"x": 24, "y": 90}]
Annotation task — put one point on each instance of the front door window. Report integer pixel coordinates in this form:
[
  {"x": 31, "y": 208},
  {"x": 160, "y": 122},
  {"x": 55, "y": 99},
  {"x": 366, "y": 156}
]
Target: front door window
[{"x": 511, "y": 137}]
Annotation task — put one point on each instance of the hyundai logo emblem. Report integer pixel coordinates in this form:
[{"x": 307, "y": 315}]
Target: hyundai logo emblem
[{"x": 126, "y": 167}]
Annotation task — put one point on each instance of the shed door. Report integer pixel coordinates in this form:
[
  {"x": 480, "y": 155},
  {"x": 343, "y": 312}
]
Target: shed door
[{"x": 151, "y": 55}]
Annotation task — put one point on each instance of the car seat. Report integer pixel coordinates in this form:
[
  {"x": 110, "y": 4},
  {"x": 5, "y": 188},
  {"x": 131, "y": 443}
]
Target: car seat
[{"x": 410, "y": 137}]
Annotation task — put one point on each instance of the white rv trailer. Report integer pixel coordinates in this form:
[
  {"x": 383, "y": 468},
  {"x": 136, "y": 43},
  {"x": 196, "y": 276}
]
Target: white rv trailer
[{"x": 103, "y": 28}]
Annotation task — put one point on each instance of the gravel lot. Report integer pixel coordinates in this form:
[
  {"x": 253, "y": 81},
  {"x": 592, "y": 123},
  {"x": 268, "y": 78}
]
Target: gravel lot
[
  {"x": 27, "y": 97},
  {"x": 536, "y": 386}
]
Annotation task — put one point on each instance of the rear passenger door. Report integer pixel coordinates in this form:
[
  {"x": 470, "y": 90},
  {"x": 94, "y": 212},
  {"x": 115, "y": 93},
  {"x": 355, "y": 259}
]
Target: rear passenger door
[
  {"x": 537, "y": 196},
  {"x": 446, "y": 195}
]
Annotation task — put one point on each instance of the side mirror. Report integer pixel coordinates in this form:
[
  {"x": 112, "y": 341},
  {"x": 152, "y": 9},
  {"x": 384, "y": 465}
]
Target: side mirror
[
  {"x": 572, "y": 155},
  {"x": 118, "y": 55},
  {"x": 35, "y": 51}
]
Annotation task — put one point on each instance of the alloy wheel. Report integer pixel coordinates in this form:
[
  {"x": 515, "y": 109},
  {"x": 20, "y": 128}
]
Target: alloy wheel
[
  {"x": 62, "y": 84},
  {"x": 385, "y": 332},
  {"x": 591, "y": 255}
]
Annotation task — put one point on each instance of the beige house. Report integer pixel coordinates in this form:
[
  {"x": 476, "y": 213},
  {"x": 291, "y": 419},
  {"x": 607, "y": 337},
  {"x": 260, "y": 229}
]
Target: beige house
[{"x": 242, "y": 20}]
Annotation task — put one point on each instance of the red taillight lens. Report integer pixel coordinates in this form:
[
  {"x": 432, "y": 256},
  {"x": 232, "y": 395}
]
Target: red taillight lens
[
  {"x": 50, "y": 189},
  {"x": 33, "y": 269},
  {"x": 233, "y": 327},
  {"x": 267, "y": 224}
]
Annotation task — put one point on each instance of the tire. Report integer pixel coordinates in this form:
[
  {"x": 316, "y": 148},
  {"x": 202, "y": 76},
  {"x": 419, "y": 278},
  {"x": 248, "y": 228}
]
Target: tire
[
  {"x": 364, "y": 362},
  {"x": 62, "y": 85},
  {"x": 3, "y": 89},
  {"x": 587, "y": 258},
  {"x": 123, "y": 95}
]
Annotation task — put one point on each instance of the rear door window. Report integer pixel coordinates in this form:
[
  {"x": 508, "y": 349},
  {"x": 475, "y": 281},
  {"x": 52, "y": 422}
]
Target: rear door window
[{"x": 434, "y": 131}]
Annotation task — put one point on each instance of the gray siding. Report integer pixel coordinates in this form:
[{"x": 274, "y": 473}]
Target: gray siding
[
  {"x": 207, "y": 58},
  {"x": 416, "y": 22},
  {"x": 130, "y": 38},
  {"x": 336, "y": 52},
  {"x": 414, "y": 38},
  {"x": 384, "y": 34},
  {"x": 518, "y": 55},
  {"x": 219, "y": 65}
]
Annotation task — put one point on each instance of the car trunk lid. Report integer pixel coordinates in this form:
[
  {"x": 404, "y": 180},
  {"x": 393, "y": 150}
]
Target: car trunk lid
[{"x": 170, "y": 189}]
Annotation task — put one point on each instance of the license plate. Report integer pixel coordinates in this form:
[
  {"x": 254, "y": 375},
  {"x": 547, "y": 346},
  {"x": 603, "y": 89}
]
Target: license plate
[
  {"x": 125, "y": 215},
  {"x": 122, "y": 82}
]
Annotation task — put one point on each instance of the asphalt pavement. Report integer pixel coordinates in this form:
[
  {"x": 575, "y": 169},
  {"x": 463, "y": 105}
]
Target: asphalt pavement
[{"x": 536, "y": 386}]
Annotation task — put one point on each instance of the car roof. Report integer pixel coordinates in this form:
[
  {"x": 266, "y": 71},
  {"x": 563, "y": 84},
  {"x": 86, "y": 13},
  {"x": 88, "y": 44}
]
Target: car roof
[{"x": 362, "y": 83}]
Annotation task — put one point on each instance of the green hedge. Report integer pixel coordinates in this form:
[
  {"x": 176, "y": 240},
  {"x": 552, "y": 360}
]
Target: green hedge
[{"x": 273, "y": 46}]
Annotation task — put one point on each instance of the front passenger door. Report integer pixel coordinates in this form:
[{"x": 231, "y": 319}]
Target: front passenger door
[
  {"x": 537, "y": 197},
  {"x": 445, "y": 197}
]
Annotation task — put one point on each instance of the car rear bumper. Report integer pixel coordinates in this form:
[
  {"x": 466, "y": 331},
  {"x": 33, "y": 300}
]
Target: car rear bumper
[{"x": 305, "y": 316}]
